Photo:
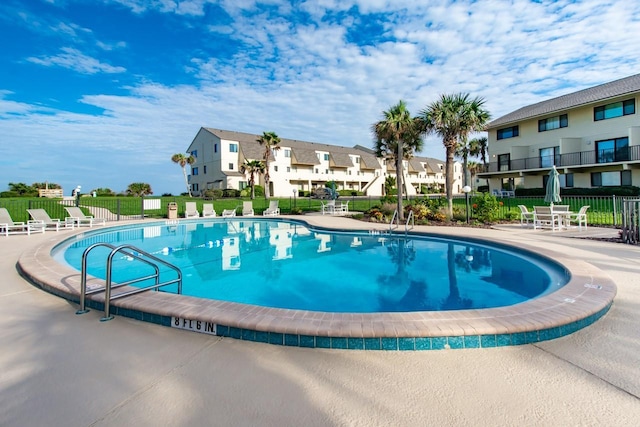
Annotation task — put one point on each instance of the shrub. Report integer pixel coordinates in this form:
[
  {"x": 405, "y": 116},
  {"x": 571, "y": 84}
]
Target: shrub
[
  {"x": 486, "y": 208},
  {"x": 231, "y": 192}
]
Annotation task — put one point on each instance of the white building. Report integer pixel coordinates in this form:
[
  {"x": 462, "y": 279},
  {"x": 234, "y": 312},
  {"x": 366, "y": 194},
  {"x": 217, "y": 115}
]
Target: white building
[{"x": 304, "y": 166}]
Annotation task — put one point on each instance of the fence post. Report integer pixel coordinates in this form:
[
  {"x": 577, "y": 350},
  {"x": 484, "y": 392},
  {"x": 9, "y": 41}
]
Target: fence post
[
  {"x": 615, "y": 217},
  {"x": 118, "y": 209}
]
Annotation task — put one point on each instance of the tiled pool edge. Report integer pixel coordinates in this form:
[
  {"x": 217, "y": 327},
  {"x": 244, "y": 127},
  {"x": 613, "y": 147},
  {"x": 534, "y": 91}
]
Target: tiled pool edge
[{"x": 533, "y": 322}]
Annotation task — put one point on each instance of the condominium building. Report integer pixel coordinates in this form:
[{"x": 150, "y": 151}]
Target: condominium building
[
  {"x": 304, "y": 166},
  {"x": 592, "y": 136}
]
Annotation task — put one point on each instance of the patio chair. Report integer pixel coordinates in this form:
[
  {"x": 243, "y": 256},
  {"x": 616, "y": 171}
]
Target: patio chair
[
  {"x": 526, "y": 217},
  {"x": 78, "y": 218},
  {"x": 580, "y": 217},
  {"x": 207, "y": 210},
  {"x": 7, "y": 226},
  {"x": 329, "y": 207},
  {"x": 543, "y": 217},
  {"x": 273, "y": 209},
  {"x": 40, "y": 218},
  {"x": 229, "y": 212},
  {"x": 247, "y": 208},
  {"x": 191, "y": 210}
]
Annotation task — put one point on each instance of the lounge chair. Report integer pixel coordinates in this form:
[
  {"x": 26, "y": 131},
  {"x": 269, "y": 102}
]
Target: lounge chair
[
  {"x": 40, "y": 218},
  {"x": 247, "y": 208},
  {"x": 580, "y": 217},
  {"x": 191, "y": 210},
  {"x": 273, "y": 209},
  {"x": 207, "y": 210},
  {"x": 7, "y": 226},
  {"x": 229, "y": 212},
  {"x": 526, "y": 217},
  {"x": 77, "y": 218}
]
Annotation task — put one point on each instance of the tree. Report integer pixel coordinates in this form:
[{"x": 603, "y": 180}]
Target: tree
[
  {"x": 103, "y": 191},
  {"x": 45, "y": 185},
  {"x": 270, "y": 142},
  {"x": 474, "y": 168},
  {"x": 22, "y": 190},
  {"x": 252, "y": 167},
  {"x": 453, "y": 117},
  {"x": 183, "y": 160},
  {"x": 389, "y": 185},
  {"x": 397, "y": 136},
  {"x": 478, "y": 148},
  {"x": 139, "y": 189}
]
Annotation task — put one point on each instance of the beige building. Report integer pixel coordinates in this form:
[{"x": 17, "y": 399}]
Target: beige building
[
  {"x": 304, "y": 166},
  {"x": 592, "y": 136}
]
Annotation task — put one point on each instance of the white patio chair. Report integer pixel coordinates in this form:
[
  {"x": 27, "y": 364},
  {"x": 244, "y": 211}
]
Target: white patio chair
[
  {"x": 273, "y": 209},
  {"x": 526, "y": 217},
  {"x": 543, "y": 217},
  {"x": 580, "y": 217},
  {"x": 40, "y": 218},
  {"x": 8, "y": 226},
  {"x": 78, "y": 218},
  {"x": 191, "y": 210},
  {"x": 329, "y": 207},
  {"x": 207, "y": 210},
  {"x": 247, "y": 208}
]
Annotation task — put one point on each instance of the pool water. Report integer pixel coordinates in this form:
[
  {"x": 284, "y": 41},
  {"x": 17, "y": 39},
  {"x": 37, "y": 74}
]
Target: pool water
[{"x": 285, "y": 264}]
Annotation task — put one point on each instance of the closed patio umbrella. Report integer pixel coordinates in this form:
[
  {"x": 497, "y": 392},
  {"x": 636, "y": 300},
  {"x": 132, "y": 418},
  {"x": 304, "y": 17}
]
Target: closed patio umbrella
[{"x": 552, "y": 194}]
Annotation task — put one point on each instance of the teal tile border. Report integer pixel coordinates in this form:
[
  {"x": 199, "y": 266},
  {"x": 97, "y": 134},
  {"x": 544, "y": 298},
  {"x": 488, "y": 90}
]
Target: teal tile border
[{"x": 373, "y": 343}]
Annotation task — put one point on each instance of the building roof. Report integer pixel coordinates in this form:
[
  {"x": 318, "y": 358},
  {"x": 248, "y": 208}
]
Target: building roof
[{"x": 591, "y": 95}]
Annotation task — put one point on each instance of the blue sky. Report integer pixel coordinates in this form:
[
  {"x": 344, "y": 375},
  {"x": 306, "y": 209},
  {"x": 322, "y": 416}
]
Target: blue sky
[{"x": 101, "y": 93}]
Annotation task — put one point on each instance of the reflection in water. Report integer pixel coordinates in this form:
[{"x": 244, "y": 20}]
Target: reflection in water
[{"x": 284, "y": 264}]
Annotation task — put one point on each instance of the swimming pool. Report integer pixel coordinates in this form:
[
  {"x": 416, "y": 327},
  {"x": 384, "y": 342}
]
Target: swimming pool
[
  {"x": 586, "y": 297},
  {"x": 285, "y": 264}
]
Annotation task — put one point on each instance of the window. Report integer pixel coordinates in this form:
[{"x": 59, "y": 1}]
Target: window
[
  {"x": 204, "y": 169},
  {"x": 316, "y": 170},
  {"x": 548, "y": 157},
  {"x": 326, "y": 157},
  {"x": 610, "y": 179},
  {"x": 233, "y": 148},
  {"x": 194, "y": 187},
  {"x": 194, "y": 153},
  {"x": 509, "y": 132},
  {"x": 553, "y": 123},
  {"x": 194, "y": 171},
  {"x": 357, "y": 160},
  {"x": 287, "y": 152},
  {"x": 568, "y": 178},
  {"x": 230, "y": 166},
  {"x": 612, "y": 150},
  {"x": 503, "y": 162},
  {"x": 616, "y": 109},
  {"x": 215, "y": 148},
  {"x": 242, "y": 185},
  {"x": 288, "y": 169},
  {"x": 275, "y": 168}
]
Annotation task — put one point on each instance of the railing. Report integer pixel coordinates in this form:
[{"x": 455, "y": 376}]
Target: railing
[
  {"x": 395, "y": 218},
  {"x": 631, "y": 221},
  {"x": 411, "y": 220},
  {"x": 580, "y": 158},
  {"x": 135, "y": 254}
]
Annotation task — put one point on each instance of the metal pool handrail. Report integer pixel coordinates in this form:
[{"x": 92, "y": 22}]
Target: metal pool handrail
[{"x": 135, "y": 253}]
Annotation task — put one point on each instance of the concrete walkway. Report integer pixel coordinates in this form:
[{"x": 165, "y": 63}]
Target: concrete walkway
[{"x": 58, "y": 369}]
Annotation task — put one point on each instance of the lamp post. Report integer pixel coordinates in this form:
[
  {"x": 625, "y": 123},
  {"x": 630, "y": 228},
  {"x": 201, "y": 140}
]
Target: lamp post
[
  {"x": 78, "y": 188},
  {"x": 294, "y": 197},
  {"x": 466, "y": 189}
]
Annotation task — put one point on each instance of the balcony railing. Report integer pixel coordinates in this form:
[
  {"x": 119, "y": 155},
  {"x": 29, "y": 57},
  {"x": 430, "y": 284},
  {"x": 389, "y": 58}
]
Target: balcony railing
[{"x": 581, "y": 158}]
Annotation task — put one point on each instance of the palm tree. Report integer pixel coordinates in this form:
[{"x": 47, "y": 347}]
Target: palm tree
[
  {"x": 252, "y": 167},
  {"x": 139, "y": 189},
  {"x": 183, "y": 160},
  {"x": 453, "y": 117},
  {"x": 398, "y": 135},
  {"x": 473, "y": 168},
  {"x": 478, "y": 148},
  {"x": 270, "y": 141}
]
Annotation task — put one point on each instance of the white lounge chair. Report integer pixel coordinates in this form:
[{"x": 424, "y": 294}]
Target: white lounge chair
[
  {"x": 580, "y": 217},
  {"x": 207, "y": 210},
  {"x": 191, "y": 210},
  {"x": 40, "y": 218},
  {"x": 526, "y": 217},
  {"x": 273, "y": 209},
  {"x": 228, "y": 212},
  {"x": 329, "y": 207},
  {"x": 247, "y": 208},
  {"x": 77, "y": 218},
  {"x": 7, "y": 226}
]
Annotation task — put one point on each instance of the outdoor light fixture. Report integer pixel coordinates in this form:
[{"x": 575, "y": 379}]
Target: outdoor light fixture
[{"x": 466, "y": 190}]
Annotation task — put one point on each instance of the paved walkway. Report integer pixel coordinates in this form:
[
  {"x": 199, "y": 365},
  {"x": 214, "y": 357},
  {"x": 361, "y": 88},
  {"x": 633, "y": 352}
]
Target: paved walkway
[{"x": 58, "y": 369}]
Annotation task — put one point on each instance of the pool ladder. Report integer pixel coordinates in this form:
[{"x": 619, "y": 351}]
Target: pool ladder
[
  {"x": 135, "y": 254},
  {"x": 396, "y": 218}
]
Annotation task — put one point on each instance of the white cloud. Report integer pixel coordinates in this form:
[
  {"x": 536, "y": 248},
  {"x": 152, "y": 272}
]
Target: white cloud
[{"x": 73, "y": 59}]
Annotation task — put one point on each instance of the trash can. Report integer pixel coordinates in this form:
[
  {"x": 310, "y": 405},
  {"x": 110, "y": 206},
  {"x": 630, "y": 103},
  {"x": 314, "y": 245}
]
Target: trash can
[{"x": 172, "y": 210}]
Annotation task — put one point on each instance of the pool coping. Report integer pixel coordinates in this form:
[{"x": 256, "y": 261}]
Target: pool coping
[{"x": 584, "y": 299}]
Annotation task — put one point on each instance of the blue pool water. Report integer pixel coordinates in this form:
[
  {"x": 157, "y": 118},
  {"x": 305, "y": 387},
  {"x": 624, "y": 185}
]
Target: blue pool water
[{"x": 286, "y": 264}]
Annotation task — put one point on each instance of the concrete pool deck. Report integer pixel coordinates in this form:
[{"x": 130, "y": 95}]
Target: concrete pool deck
[{"x": 62, "y": 369}]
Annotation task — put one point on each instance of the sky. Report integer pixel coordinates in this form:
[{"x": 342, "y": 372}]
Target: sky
[{"x": 101, "y": 93}]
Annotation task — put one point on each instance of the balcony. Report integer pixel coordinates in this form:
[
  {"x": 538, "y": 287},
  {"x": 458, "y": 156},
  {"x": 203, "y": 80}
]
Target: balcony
[{"x": 581, "y": 158}]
